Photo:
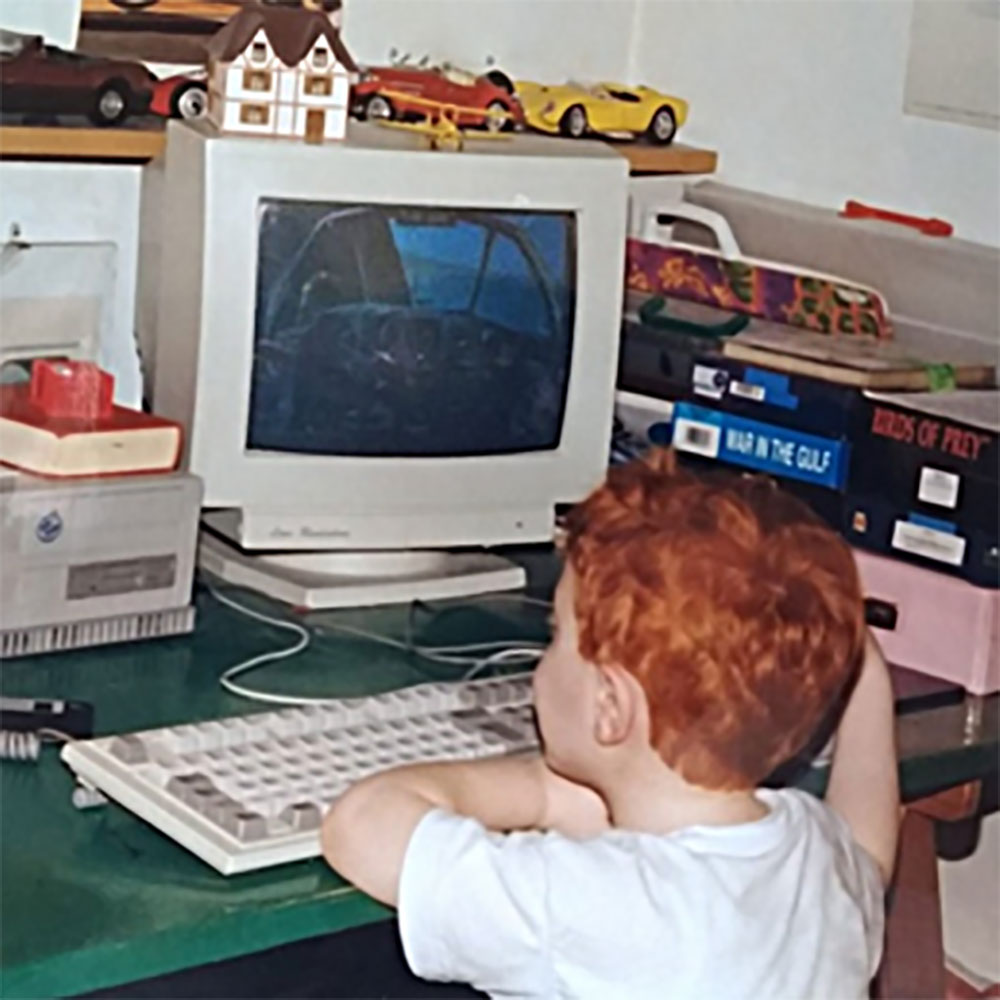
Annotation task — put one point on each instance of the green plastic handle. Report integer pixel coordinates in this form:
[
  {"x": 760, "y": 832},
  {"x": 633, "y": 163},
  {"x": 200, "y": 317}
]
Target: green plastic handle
[{"x": 653, "y": 312}]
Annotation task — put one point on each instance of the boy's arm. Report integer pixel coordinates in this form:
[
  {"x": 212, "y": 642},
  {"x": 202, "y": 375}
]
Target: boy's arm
[
  {"x": 864, "y": 777},
  {"x": 366, "y": 832}
]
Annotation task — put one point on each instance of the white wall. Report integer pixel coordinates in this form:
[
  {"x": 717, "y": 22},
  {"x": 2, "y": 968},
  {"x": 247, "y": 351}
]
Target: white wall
[
  {"x": 804, "y": 98},
  {"x": 57, "y": 20},
  {"x": 84, "y": 203},
  {"x": 551, "y": 39}
]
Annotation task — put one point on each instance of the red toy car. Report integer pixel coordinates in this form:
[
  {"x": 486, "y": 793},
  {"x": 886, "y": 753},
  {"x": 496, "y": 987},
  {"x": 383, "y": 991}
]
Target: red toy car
[
  {"x": 36, "y": 78},
  {"x": 382, "y": 91},
  {"x": 180, "y": 97}
]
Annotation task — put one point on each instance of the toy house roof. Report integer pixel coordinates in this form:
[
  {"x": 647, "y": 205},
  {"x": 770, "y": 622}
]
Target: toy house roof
[{"x": 292, "y": 32}]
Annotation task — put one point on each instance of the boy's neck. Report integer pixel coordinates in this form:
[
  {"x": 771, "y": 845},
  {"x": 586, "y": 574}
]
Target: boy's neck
[{"x": 646, "y": 796}]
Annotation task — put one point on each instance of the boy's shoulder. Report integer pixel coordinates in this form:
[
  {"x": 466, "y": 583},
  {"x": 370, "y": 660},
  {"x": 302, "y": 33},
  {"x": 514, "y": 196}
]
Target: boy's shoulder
[{"x": 797, "y": 825}]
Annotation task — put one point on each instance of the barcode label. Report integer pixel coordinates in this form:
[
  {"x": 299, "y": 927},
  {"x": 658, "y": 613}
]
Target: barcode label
[
  {"x": 697, "y": 438},
  {"x": 938, "y": 487},
  {"x": 928, "y": 542},
  {"x": 745, "y": 390}
]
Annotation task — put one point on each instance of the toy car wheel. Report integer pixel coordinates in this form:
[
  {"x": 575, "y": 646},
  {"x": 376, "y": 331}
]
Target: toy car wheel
[
  {"x": 378, "y": 106},
  {"x": 574, "y": 122},
  {"x": 189, "y": 101},
  {"x": 497, "y": 117},
  {"x": 662, "y": 126},
  {"x": 112, "y": 103}
]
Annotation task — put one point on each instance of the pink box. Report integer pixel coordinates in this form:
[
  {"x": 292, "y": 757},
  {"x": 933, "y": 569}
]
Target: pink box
[{"x": 943, "y": 626}]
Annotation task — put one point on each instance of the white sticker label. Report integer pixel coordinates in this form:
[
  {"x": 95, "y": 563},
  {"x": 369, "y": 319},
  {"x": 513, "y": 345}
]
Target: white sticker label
[
  {"x": 929, "y": 542},
  {"x": 747, "y": 391},
  {"x": 938, "y": 486},
  {"x": 709, "y": 381},
  {"x": 696, "y": 437}
]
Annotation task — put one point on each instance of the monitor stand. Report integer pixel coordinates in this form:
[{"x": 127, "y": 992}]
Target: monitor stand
[{"x": 358, "y": 579}]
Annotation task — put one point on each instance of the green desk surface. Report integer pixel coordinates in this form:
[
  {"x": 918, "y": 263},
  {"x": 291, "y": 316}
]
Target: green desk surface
[{"x": 97, "y": 898}]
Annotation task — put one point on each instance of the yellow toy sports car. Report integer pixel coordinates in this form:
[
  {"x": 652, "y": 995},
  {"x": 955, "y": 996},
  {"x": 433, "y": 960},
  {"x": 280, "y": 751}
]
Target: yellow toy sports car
[{"x": 609, "y": 109}]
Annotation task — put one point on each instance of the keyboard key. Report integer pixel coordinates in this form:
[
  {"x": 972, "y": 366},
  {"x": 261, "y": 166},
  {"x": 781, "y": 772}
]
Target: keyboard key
[
  {"x": 130, "y": 749},
  {"x": 249, "y": 826},
  {"x": 185, "y": 739},
  {"x": 302, "y": 816},
  {"x": 187, "y": 787},
  {"x": 213, "y": 734}
]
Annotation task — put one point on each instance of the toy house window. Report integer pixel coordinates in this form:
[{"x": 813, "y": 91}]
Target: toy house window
[
  {"x": 319, "y": 86},
  {"x": 258, "y": 52},
  {"x": 321, "y": 58},
  {"x": 256, "y": 79},
  {"x": 255, "y": 114}
]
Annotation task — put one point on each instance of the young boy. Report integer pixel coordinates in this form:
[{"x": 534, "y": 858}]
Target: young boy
[{"x": 703, "y": 630}]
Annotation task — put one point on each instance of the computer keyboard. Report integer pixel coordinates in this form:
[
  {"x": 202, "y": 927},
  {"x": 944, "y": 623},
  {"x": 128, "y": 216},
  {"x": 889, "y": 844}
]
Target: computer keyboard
[{"x": 247, "y": 792}]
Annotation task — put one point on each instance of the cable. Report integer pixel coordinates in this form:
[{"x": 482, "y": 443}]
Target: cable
[
  {"x": 499, "y": 651},
  {"x": 515, "y": 655},
  {"x": 418, "y": 605},
  {"x": 19, "y": 745},
  {"x": 498, "y": 598},
  {"x": 26, "y": 745},
  {"x": 448, "y": 655},
  {"x": 226, "y": 680}
]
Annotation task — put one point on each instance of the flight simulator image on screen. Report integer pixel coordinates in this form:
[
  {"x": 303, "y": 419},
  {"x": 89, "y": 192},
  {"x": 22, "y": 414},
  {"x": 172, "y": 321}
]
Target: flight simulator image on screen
[{"x": 404, "y": 331}]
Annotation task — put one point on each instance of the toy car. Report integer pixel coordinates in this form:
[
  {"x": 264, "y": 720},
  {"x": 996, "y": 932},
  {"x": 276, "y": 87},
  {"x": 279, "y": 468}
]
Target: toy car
[
  {"x": 180, "y": 97},
  {"x": 212, "y": 10},
  {"x": 42, "y": 79},
  {"x": 610, "y": 109},
  {"x": 445, "y": 84},
  {"x": 218, "y": 10}
]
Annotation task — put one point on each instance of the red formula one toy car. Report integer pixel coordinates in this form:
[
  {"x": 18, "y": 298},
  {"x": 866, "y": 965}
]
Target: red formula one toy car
[
  {"x": 383, "y": 90},
  {"x": 180, "y": 97}
]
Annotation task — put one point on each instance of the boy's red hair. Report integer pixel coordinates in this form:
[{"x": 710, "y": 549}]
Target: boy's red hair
[{"x": 737, "y": 610}]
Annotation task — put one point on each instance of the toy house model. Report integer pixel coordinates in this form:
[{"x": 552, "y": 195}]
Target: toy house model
[{"x": 281, "y": 71}]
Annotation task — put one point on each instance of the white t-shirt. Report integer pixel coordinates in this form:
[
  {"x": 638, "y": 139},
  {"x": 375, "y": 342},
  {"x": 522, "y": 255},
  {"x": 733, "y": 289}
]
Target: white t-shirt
[{"x": 784, "y": 908}]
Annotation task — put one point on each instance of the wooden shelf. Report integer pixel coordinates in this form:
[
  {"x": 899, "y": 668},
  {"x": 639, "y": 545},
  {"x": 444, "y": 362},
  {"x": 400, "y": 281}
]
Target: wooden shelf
[
  {"x": 145, "y": 142},
  {"x": 673, "y": 159},
  {"x": 81, "y": 143}
]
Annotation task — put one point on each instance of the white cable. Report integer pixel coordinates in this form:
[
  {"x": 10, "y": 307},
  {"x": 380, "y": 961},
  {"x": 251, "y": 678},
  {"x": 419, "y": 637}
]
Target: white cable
[
  {"x": 26, "y": 745},
  {"x": 19, "y": 745},
  {"x": 521, "y": 655},
  {"x": 503, "y": 651},
  {"x": 450, "y": 655},
  {"x": 463, "y": 661},
  {"x": 226, "y": 680}
]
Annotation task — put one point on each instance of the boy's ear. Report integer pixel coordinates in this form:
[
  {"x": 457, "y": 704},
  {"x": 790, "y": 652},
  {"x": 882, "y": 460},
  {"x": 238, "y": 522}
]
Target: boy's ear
[{"x": 618, "y": 705}]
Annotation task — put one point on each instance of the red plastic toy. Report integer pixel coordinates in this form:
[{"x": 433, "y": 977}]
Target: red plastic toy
[
  {"x": 180, "y": 97},
  {"x": 444, "y": 85},
  {"x": 75, "y": 390},
  {"x": 929, "y": 227}
]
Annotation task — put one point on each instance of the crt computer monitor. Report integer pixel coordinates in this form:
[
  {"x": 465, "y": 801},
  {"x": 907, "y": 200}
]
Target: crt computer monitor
[{"x": 387, "y": 359}]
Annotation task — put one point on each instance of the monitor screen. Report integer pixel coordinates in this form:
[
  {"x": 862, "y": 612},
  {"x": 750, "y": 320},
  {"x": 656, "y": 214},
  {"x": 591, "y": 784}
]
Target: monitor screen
[{"x": 405, "y": 331}]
